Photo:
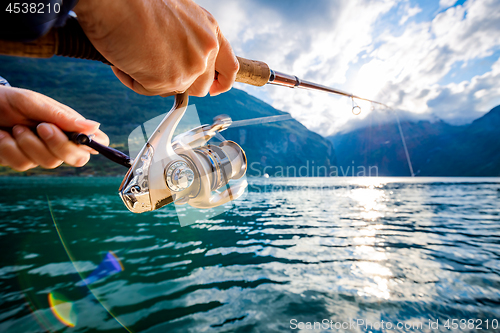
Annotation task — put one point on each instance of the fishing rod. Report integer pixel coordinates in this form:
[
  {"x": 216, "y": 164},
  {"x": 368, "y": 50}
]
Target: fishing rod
[{"x": 184, "y": 169}]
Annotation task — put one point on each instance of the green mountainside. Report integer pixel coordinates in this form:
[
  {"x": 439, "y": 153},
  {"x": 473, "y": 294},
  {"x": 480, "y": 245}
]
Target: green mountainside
[{"x": 92, "y": 89}]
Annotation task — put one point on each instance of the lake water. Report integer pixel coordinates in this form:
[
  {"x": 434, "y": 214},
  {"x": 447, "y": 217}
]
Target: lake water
[{"x": 363, "y": 252}]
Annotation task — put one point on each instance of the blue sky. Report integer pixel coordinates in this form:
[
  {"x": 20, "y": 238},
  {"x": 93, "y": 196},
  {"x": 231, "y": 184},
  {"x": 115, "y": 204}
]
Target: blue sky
[{"x": 428, "y": 59}]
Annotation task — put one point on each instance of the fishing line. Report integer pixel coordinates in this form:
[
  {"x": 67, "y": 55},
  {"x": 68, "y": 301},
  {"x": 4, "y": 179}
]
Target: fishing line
[
  {"x": 404, "y": 145},
  {"x": 400, "y": 129},
  {"x": 258, "y": 121},
  {"x": 70, "y": 256}
]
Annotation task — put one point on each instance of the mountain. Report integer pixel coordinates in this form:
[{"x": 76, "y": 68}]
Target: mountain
[
  {"x": 92, "y": 89},
  {"x": 435, "y": 148}
]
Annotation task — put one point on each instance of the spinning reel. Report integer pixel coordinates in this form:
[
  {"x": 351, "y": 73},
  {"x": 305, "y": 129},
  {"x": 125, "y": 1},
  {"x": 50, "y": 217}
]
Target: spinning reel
[{"x": 184, "y": 169}]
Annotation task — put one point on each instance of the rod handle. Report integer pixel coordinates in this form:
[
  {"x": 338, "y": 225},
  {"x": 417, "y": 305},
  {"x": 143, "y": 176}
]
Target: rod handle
[
  {"x": 253, "y": 72},
  {"x": 67, "y": 41},
  {"x": 43, "y": 47}
]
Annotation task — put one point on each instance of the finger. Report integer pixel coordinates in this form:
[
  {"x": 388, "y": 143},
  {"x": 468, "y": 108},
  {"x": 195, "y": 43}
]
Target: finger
[
  {"x": 34, "y": 148},
  {"x": 202, "y": 84},
  {"x": 100, "y": 137},
  {"x": 11, "y": 155},
  {"x": 130, "y": 83},
  {"x": 173, "y": 93},
  {"x": 39, "y": 108},
  {"x": 88, "y": 149},
  {"x": 227, "y": 66},
  {"x": 60, "y": 146}
]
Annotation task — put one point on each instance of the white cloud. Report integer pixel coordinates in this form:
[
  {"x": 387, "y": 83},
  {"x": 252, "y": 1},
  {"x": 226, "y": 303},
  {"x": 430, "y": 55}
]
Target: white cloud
[
  {"x": 446, "y": 3},
  {"x": 341, "y": 44},
  {"x": 456, "y": 101},
  {"x": 414, "y": 62},
  {"x": 409, "y": 12}
]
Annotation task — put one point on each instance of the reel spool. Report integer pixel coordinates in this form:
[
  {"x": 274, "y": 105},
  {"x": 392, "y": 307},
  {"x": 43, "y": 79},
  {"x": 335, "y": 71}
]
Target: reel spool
[{"x": 184, "y": 169}]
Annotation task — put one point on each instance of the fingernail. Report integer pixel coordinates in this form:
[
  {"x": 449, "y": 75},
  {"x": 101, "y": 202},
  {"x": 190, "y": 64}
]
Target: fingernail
[
  {"x": 45, "y": 131},
  {"x": 18, "y": 130},
  {"x": 87, "y": 123},
  {"x": 81, "y": 162}
]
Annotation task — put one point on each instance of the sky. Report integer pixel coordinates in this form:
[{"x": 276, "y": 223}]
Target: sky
[{"x": 427, "y": 59}]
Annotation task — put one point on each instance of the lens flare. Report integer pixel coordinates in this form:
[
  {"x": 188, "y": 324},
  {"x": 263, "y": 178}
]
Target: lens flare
[
  {"x": 109, "y": 265},
  {"x": 62, "y": 309}
]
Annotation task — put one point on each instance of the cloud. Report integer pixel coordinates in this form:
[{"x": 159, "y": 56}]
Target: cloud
[
  {"x": 446, "y": 3},
  {"x": 456, "y": 101},
  {"x": 378, "y": 49},
  {"x": 410, "y": 12},
  {"x": 414, "y": 62}
]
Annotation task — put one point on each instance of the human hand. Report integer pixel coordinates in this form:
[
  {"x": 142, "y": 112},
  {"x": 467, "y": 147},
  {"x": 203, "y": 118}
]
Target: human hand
[
  {"x": 21, "y": 109},
  {"x": 160, "y": 47}
]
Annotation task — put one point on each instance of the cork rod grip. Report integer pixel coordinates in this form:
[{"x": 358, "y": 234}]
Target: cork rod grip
[
  {"x": 253, "y": 72},
  {"x": 67, "y": 41},
  {"x": 44, "y": 47}
]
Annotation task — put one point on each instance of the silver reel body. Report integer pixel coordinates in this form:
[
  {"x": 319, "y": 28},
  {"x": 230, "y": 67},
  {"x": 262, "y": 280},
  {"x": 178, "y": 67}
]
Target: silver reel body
[{"x": 184, "y": 169}]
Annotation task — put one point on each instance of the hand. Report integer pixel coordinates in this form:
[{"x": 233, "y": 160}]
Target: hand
[
  {"x": 21, "y": 109},
  {"x": 159, "y": 47}
]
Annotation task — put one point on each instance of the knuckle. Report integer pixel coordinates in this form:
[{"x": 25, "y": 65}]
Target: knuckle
[
  {"x": 58, "y": 112},
  {"x": 210, "y": 44},
  {"x": 179, "y": 82},
  {"x": 57, "y": 146},
  {"x": 24, "y": 140},
  {"x": 195, "y": 65}
]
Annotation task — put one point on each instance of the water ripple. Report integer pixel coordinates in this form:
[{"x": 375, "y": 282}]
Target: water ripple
[{"x": 392, "y": 249}]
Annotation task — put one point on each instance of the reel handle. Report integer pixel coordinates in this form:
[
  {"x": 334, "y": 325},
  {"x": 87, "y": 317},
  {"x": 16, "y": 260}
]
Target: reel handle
[{"x": 71, "y": 41}]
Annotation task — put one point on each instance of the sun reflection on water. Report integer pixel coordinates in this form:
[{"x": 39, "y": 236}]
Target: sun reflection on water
[{"x": 369, "y": 201}]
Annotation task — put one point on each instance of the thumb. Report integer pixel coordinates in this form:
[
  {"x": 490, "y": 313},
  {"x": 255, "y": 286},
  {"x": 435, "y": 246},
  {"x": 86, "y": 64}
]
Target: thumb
[
  {"x": 83, "y": 125},
  {"x": 39, "y": 108}
]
